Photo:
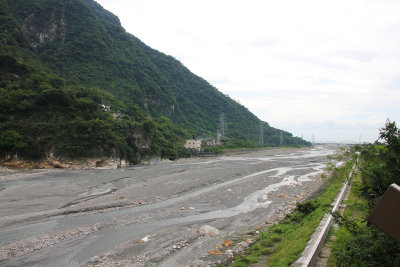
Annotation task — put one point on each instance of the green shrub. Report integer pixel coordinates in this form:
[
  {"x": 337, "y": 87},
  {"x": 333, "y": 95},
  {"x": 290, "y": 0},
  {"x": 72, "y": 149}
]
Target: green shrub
[
  {"x": 307, "y": 207},
  {"x": 12, "y": 141},
  {"x": 369, "y": 248},
  {"x": 358, "y": 243}
]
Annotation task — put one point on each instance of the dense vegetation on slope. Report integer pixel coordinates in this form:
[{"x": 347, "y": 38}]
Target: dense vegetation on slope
[
  {"x": 359, "y": 243},
  {"x": 41, "y": 114},
  {"x": 61, "y": 59}
]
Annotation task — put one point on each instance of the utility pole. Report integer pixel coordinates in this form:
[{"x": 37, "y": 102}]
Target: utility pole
[
  {"x": 281, "y": 138},
  {"x": 261, "y": 134},
  {"x": 313, "y": 139},
  {"x": 222, "y": 126},
  {"x": 218, "y": 137}
]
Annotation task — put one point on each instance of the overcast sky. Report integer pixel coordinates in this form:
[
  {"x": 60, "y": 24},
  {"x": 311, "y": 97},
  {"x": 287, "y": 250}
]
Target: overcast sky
[{"x": 325, "y": 68}]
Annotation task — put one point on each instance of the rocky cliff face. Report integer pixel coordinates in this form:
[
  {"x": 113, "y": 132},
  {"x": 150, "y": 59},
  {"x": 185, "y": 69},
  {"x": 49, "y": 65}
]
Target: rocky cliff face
[{"x": 40, "y": 34}]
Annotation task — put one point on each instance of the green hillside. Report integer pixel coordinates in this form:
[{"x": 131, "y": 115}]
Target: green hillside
[{"x": 62, "y": 61}]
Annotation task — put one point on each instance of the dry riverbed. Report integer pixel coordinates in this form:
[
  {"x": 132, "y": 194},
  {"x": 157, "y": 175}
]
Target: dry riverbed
[{"x": 152, "y": 215}]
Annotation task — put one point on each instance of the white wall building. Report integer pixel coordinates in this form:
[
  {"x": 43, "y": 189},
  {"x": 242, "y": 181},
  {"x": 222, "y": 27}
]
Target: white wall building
[{"x": 193, "y": 144}]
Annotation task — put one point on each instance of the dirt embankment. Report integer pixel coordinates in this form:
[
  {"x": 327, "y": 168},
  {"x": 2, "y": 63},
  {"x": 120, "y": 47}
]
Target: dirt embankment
[{"x": 54, "y": 163}]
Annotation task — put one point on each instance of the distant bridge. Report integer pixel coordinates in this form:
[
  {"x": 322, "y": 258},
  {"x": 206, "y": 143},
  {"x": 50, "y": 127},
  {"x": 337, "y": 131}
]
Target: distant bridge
[{"x": 344, "y": 142}]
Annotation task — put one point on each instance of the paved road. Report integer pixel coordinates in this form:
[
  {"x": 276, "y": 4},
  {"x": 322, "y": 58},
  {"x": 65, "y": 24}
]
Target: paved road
[{"x": 75, "y": 217}]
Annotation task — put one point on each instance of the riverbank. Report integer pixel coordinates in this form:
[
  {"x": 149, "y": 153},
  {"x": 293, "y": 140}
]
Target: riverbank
[
  {"x": 282, "y": 243},
  {"x": 113, "y": 163},
  {"x": 56, "y": 163},
  {"x": 166, "y": 204}
]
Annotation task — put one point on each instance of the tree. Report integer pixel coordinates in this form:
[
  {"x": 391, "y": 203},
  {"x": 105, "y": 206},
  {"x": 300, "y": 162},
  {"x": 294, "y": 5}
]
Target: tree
[{"x": 10, "y": 140}]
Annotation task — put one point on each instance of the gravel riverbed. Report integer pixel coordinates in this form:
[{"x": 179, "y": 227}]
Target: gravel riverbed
[{"x": 151, "y": 215}]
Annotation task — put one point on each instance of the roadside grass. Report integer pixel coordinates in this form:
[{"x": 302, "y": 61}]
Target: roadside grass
[
  {"x": 357, "y": 209},
  {"x": 282, "y": 243}
]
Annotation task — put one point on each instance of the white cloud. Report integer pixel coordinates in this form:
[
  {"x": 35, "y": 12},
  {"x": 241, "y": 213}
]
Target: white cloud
[{"x": 325, "y": 67}]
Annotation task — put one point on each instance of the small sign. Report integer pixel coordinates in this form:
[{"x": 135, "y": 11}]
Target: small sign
[{"x": 386, "y": 214}]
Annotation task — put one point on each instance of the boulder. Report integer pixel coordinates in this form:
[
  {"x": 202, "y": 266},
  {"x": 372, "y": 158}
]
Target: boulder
[
  {"x": 208, "y": 230},
  {"x": 215, "y": 252},
  {"x": 227, "y": 243}
]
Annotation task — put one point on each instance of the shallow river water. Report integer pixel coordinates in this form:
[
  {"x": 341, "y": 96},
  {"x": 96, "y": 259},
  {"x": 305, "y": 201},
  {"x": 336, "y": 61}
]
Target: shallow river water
[{"x": 67, "y": 217}]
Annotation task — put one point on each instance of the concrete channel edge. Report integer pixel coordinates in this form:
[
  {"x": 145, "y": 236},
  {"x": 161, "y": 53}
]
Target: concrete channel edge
[{"x": 309, "y": 256}]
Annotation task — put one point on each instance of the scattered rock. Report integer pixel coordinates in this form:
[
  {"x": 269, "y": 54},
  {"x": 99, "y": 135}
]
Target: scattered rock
[
  {"x": 94, "y": 259},
  {"x": 180, "y": 244},
  {"x": 215, "y": 252},
  {"x": 191, "y": 208},
  {"x": 181, "y": 207},
  {"x": 227, "y": 243},
  {"x": 28, "y": 245},
  {"x": 198, "y": 263},
  {"x": 229, "y": 252},
  {"x": 249, "y": 232},
  {"x": 243, "y": 245},
  {"x": 143, "y": 240},
  {"x": 208, "y": 230}
]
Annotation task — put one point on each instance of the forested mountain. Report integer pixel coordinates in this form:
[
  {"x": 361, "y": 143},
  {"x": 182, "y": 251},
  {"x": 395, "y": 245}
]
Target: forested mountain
[{"x": 63, "y": 62}]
